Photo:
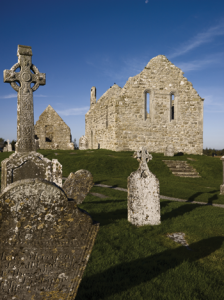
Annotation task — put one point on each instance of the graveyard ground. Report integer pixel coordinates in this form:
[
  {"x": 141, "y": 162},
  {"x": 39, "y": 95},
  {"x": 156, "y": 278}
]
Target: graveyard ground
[{"x": 143, "y": 263}]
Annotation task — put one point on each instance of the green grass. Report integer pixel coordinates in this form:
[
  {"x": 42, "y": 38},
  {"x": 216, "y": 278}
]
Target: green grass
[{"x": 129, "y": 262}]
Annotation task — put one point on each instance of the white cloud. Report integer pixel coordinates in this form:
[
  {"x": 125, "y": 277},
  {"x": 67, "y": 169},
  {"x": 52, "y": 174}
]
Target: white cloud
[
  {"x": 41, "y": 95},
  {"x": 146, "y": 1},
  {"x": 74, "y": 111},
  {"x": 9, "y": 96},
  {"x": 199, "y": 39}
]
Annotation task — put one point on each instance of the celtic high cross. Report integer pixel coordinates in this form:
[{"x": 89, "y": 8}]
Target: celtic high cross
[{"x": 25, "y": 118}]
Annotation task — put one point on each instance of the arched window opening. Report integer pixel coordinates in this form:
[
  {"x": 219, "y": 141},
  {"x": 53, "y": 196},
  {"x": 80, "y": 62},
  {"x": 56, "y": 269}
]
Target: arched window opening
[
  {"x": 172, "y": 107},
  {"x": 147, "y": 104}
]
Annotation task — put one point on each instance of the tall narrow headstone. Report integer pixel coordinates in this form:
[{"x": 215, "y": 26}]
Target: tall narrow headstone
[
  {"x": 222, "y": 186},
  {"x": 143, "y": 193}
]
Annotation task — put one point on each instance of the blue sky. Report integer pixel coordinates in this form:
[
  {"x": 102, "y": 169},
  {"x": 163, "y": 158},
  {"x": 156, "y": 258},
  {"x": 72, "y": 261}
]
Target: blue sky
[{"x": 85, "y": 43}]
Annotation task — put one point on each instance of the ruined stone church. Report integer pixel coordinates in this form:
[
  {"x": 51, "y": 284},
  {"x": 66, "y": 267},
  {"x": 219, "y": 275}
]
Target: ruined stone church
[
  {"x": 155, "y": 108},
  {"x": 51, "y": 131}
]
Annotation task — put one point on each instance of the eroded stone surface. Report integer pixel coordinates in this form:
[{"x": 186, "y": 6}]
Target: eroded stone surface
[
  {"x": 169, "y": 150},
  {"x": 52, "y": 132},
  {"x": 78, "y": 185},
  {"x": 83, "y": 143},
  {"x": 29, "y": 165},
  {"x": 120, "y": 121},
  {"x": 143, "y": 193},
  {"x": 46, "y": 242}
]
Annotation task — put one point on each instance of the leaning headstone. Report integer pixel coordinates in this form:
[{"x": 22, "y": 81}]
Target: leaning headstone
[
  {"x": 26, "y": 162},
  {"x": 169, "y": 150},
  {"x": 83, "y": 143},
  {"x": 78, "y": 185},
  {"x": 143, "y": 193},
  {"x": 222, "y": 186},
  {"x": 46, "y": 242}
]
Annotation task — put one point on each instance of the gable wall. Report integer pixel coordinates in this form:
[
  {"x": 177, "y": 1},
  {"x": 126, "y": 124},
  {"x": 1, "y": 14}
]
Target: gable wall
[
  {"x": 130, "y": 128},
  {"x": 60, "y": 131}
]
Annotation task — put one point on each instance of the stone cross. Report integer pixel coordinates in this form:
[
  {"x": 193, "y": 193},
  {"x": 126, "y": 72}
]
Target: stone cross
[
  {"x": 25, "y": 118},
  {"x": 143, "y": 157}
]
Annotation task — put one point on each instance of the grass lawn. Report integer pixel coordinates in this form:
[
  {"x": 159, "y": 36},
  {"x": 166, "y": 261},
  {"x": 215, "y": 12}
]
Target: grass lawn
[{"x": 129, "y": 262}]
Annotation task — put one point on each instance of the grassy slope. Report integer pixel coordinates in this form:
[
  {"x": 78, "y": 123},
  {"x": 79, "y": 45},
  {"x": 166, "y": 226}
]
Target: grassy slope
[{"x": 142, "y": 263}]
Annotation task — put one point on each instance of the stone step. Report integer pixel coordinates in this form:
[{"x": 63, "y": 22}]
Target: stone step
[
  {"x": 181, "y": 168},
  {"x": 185, "y": 173}
]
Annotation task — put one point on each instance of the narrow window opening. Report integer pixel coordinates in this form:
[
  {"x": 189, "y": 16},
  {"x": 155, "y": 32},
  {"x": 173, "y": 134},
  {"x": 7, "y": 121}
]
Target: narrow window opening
[
  {"x": 172, "y": 107},
  {"x": 148, "y": 102},
  {"x": 147, "y": 105}
]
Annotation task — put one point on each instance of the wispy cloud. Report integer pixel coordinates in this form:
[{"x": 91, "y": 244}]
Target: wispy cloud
[
  {"x": 9, "y": 96},
  {"x": 199, "y": 39},
  {"x": 200, "y": 64},
  {"x": 41, "y": 95},
  {"x": 146, "y": 1},
  {"x": 74, "y": 111}
]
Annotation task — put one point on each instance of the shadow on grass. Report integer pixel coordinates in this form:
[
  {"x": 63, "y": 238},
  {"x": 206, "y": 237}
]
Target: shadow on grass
[
  {"x": 180, "y": 211},
  {"x": 194, "y": 196},
  {"x": 109, "y": 217},
  {"x": 127, "y": 275}
]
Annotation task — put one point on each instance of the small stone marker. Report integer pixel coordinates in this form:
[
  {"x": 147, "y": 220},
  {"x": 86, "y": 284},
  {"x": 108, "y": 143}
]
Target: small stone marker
[
  {"x": 46, "y": 242},
  {"x": 143, "y": 193},
  {"x": 83, "y": 143},
  {"x": 169, "y": 150},
  {"x": 222, "y": 186},
  {"x": 78, "y": 185}
]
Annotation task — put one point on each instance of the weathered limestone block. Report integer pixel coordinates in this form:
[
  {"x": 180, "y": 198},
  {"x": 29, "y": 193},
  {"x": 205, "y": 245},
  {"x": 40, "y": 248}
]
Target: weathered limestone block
[
  {"x": 169, "y": 150},
  {"x": 83, "y": 143},
  {"x": 222, "y": 186},
  {"x": 46, "y": 242},
  {"x": 143, "y": 193},
  {"x": 78, "y": 185},
  {"x": 29, "y": 165}
]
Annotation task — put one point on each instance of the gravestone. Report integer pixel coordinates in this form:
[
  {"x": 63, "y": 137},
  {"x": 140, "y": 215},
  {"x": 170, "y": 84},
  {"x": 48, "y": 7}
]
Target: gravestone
[
  {"x": 169, "y": 150},
  {"x": 46, "y": 242},
  {"x": 8, "y": 147},
  {"x": 143, "y": 193},
  {"x": 26, "y": 162},
  {"x": 83, "y": 143},
  {"x": 29, "y": 165},
  {"x": 222, "y": 186},
  {"x": 78, "y": 185}
]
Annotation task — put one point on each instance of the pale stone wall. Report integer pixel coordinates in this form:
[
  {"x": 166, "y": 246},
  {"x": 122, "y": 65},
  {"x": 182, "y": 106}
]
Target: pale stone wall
[
  {"x": 129, "y": 124},
  {"x": 51, "y": 126}
]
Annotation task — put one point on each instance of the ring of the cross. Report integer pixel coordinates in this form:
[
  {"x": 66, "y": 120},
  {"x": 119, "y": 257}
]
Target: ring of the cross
[
  {"x": 14, "y": 85},
  {"x": 36, "y": 72}
]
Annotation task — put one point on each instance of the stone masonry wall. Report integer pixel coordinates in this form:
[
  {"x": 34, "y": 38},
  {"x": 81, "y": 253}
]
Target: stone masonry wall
[
  {"x": 130, "y": 126},
  {"x": 51, "y": 126}
]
